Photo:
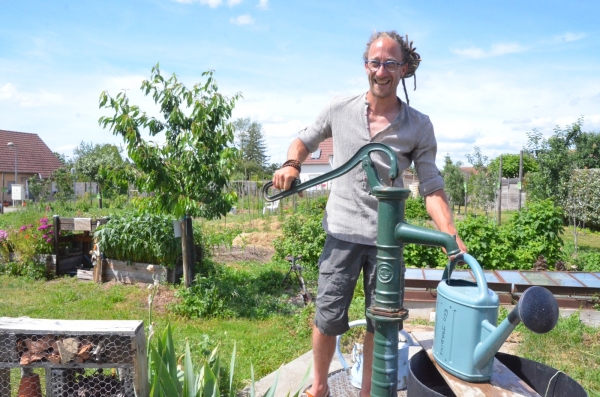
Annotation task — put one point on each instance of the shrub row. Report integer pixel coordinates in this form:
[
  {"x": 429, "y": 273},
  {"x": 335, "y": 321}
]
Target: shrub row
[{"x": 534, "y": 232}]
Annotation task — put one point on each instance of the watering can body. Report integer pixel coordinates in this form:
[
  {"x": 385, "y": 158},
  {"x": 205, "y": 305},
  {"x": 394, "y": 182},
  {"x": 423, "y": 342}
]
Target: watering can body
[{"x": 461, "y": 309}]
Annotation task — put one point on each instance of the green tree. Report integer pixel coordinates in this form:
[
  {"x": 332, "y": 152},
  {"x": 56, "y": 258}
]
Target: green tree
[
  {"x": 250, "y": 142},
  {"x": 556, "y": 160},
  {"x": 63, "y": 179},
  {"x": 99, "y": 163},
  {"x": 37, "y": 188},
  {"x": 482, "y": 184},
  {"x": 455, "y": 181},
  {"x": 510, "y": 165},
  {"x": 587, "y": 153},
  {"x": 188, "y": 173}
]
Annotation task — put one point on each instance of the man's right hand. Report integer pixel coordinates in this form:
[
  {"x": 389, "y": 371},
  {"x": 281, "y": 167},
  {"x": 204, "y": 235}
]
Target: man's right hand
[{"x": 283, "y": 177}]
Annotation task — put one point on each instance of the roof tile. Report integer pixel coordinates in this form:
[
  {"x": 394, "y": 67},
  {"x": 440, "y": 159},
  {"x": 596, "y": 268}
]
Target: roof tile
[{"x": 33, "y": 155}]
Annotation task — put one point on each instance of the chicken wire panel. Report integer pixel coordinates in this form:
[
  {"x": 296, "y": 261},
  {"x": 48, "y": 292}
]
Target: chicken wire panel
[
  {"x": 18, "y": 382},
  {"x": 98, "y": 382},
  {"x": 70, "y": 349},
  {"x": 76, "y": 358}
]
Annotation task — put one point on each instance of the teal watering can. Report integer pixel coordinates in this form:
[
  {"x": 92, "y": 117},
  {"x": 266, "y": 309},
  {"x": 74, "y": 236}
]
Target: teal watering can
[{"x": 466, "y": 337}]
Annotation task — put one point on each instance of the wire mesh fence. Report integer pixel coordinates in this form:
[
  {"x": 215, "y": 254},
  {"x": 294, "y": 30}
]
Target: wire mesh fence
[{"x": 252, "y": 202}]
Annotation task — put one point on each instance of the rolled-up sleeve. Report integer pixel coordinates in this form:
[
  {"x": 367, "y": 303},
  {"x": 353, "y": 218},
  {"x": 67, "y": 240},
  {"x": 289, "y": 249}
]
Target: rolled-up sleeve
[
  {"x": 430, "y": 178},
  {"x": 318, "y": 131}
]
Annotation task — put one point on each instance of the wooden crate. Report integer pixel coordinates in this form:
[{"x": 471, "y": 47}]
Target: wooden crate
[
  {"x": 134, "y": 272},
  {"x": 73, "y": 355}
]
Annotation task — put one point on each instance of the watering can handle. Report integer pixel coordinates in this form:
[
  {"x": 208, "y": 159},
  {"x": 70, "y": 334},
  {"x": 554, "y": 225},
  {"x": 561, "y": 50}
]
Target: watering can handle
[
  {"x": 475, "y": 268},
  {"x": 361, "y": 157}
]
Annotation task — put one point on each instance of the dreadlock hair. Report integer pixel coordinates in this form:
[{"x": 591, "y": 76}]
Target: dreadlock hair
[{"x": 409, "y": 54}]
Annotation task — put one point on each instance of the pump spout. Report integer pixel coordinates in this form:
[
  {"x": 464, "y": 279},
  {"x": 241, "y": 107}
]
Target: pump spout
[
  {"x": 538, "y": 310},
  {"x": 412, "y": 234}
]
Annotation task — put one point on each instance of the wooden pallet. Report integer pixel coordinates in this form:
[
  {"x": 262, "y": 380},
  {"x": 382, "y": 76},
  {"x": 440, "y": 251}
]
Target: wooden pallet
[{"x": 504, "y": 383}]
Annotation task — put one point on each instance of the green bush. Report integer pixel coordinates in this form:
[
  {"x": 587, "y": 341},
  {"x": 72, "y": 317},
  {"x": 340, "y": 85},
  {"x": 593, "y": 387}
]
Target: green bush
[
  {"x": 227, "y": 292},
  {"x": 140, "y": 237},
  {"x": 535, "y": 231},
  {"x": 415, "y": 209},
  {"x": 313, "y": 207},
  {"x": 486, "y": 242},
  {"x": 584, "y": 259},
  {"x": 302, "y": 235}
]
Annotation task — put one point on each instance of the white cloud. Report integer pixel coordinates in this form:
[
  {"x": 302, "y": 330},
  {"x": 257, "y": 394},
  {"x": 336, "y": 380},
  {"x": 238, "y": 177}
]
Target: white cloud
[
  {"x": 232, "y": 3},
  {"x": 496, "y": 50},
  {"x": 242, "y": 20},
  {"x": 33, "y": 99},
  {"x": 570, "y": 37},
  {"x": 264, "y": 4},
  {"x": 517, "y": 120},
  {"x": 210, "y": 3},
  {"x": 7, "y": 91}
]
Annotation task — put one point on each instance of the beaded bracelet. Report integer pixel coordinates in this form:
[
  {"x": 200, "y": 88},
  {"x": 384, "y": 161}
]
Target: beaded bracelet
[{"x": 292, "y": 163}]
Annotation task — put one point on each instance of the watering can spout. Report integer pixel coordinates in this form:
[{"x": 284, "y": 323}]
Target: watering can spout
[
  {"x": 537, "y": 309},
  {"x": 412, "y": 234}
]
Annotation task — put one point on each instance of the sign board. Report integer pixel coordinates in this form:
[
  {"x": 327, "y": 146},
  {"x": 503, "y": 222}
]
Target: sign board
[{"x": 17, "y": 192}]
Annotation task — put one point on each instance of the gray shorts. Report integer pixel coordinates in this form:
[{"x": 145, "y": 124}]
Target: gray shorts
[{"x": 339, "y": 267}]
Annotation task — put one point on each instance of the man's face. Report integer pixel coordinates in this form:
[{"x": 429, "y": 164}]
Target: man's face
[{"x": 382, "y": 83}]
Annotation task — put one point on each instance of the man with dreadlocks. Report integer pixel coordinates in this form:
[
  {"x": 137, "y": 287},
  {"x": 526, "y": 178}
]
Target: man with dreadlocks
[{"x": 351, "y": 215}]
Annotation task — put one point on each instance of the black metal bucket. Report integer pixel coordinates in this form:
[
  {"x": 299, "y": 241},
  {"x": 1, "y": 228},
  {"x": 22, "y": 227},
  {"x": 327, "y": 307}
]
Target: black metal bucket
[{"x": 425, "y": 380}]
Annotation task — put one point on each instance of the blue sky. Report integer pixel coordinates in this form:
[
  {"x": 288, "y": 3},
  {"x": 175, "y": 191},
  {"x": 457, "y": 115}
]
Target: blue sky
[{"x": 491, "y": 71}]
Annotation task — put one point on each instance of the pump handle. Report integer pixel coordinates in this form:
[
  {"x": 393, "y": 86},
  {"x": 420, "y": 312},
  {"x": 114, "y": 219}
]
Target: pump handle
[{"x": 362, "y": 156}]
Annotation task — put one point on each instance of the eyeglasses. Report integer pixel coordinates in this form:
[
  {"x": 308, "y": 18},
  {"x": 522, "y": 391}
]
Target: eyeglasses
[{"x": 390, "y": 66}]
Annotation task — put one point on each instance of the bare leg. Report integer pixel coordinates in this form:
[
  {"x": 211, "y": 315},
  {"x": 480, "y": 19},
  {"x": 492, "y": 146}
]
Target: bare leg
[
  {"x": 323, "y": 348},
  {"x": 365, "y": 391}
]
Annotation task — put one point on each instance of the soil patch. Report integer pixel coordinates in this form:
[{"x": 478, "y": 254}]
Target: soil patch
[{"x": 245, "y": 253}]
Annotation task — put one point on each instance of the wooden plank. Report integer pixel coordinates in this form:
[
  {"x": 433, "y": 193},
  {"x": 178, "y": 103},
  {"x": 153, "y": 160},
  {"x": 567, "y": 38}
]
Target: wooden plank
[
  {"x": 86, "y": 275},
  {"x": 135, "y": 272},
  {"x": 504, "y": 383},
  {"x": 85, "y": 327}
]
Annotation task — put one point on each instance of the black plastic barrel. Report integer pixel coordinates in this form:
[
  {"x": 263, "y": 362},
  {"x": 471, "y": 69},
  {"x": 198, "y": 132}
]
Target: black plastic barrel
[{"x": 425, "y": 380}]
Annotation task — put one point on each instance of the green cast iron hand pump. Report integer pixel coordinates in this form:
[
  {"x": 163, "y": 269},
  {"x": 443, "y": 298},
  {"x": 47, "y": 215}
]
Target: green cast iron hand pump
[{"x": 393, "y": 232}]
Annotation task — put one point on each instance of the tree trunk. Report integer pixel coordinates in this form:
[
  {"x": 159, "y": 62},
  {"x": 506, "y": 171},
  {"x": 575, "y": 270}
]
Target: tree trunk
[{"x": 187, "y": 250}]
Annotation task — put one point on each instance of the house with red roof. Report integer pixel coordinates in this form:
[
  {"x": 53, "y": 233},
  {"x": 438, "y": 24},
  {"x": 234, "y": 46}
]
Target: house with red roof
[
  {"x": 319, "y": 162},
  {"x": 25, "y": 155}
]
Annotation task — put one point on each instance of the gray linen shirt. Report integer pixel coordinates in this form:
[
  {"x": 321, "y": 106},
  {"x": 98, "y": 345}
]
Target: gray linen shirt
[{"x": 351, "y": 213}]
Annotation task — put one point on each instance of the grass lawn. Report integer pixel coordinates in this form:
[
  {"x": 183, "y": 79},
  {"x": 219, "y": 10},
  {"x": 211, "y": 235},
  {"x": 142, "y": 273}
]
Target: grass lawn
[
  {"x": 266, "y": 343},
  {"x": 258, "y": 314}
]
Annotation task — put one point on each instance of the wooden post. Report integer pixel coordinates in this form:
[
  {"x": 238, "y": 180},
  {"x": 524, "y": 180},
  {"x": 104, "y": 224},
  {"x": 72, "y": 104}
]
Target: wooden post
[
  {"x": 191, "y": 251},
  {"x": 520, "y": 185},
  {"x": 500, "y": 192},
  {"x": 465, "y": 186},
  {"x": 188, "y": 267},
  {"x": 99, "y": 267},
  {"x": 55, "y": 237}
]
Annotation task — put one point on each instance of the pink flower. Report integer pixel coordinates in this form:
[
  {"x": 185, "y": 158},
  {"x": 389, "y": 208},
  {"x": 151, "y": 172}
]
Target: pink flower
[
  {"x": 49, "y": 240},
  {"x": 45, "y": 236}
]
